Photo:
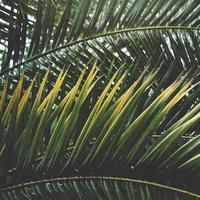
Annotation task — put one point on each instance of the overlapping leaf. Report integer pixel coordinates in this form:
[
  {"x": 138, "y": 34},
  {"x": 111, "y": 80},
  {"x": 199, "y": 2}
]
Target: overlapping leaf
[{"x": 117, "y": 131}]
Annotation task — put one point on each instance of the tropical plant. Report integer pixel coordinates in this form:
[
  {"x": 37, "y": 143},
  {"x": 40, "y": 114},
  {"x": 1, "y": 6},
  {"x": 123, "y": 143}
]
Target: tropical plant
[{"x": 99, "y": 99}]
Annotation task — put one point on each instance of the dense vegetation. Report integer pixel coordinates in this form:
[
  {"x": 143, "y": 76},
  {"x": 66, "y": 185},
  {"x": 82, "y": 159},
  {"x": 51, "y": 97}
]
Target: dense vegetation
[{"x": 99, "y": 99}]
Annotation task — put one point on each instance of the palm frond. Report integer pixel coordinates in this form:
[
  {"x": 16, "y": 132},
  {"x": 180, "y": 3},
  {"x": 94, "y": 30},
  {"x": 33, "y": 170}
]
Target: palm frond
[
  {"x": 129, "y": 48},
  {"x": 38, "y": 130},
  {"x": 67, "y": 22},
  {"x": 95, "y": 188}
]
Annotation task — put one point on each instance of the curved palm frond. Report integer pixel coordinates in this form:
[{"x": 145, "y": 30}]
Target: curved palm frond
[
  {"x": 129, "y": 48},
  {"x": 95, "y": 188},
  {"x": 73, "y": 20}
]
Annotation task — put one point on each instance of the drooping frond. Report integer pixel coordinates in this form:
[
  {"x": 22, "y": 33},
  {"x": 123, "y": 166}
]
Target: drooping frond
[
  {"x": 95, "y": 188},
  {"x": 64, "y": 33}
]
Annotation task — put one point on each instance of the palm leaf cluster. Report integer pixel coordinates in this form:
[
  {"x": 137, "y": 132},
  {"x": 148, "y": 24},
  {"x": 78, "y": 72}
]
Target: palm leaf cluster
[
  {"x": 52, "y": 137},
  {"x": 95, "y": 88}
]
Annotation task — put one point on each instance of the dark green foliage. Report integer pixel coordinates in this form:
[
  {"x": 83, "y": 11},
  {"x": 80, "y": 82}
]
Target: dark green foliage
[{"x": 134, "y": 113}]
